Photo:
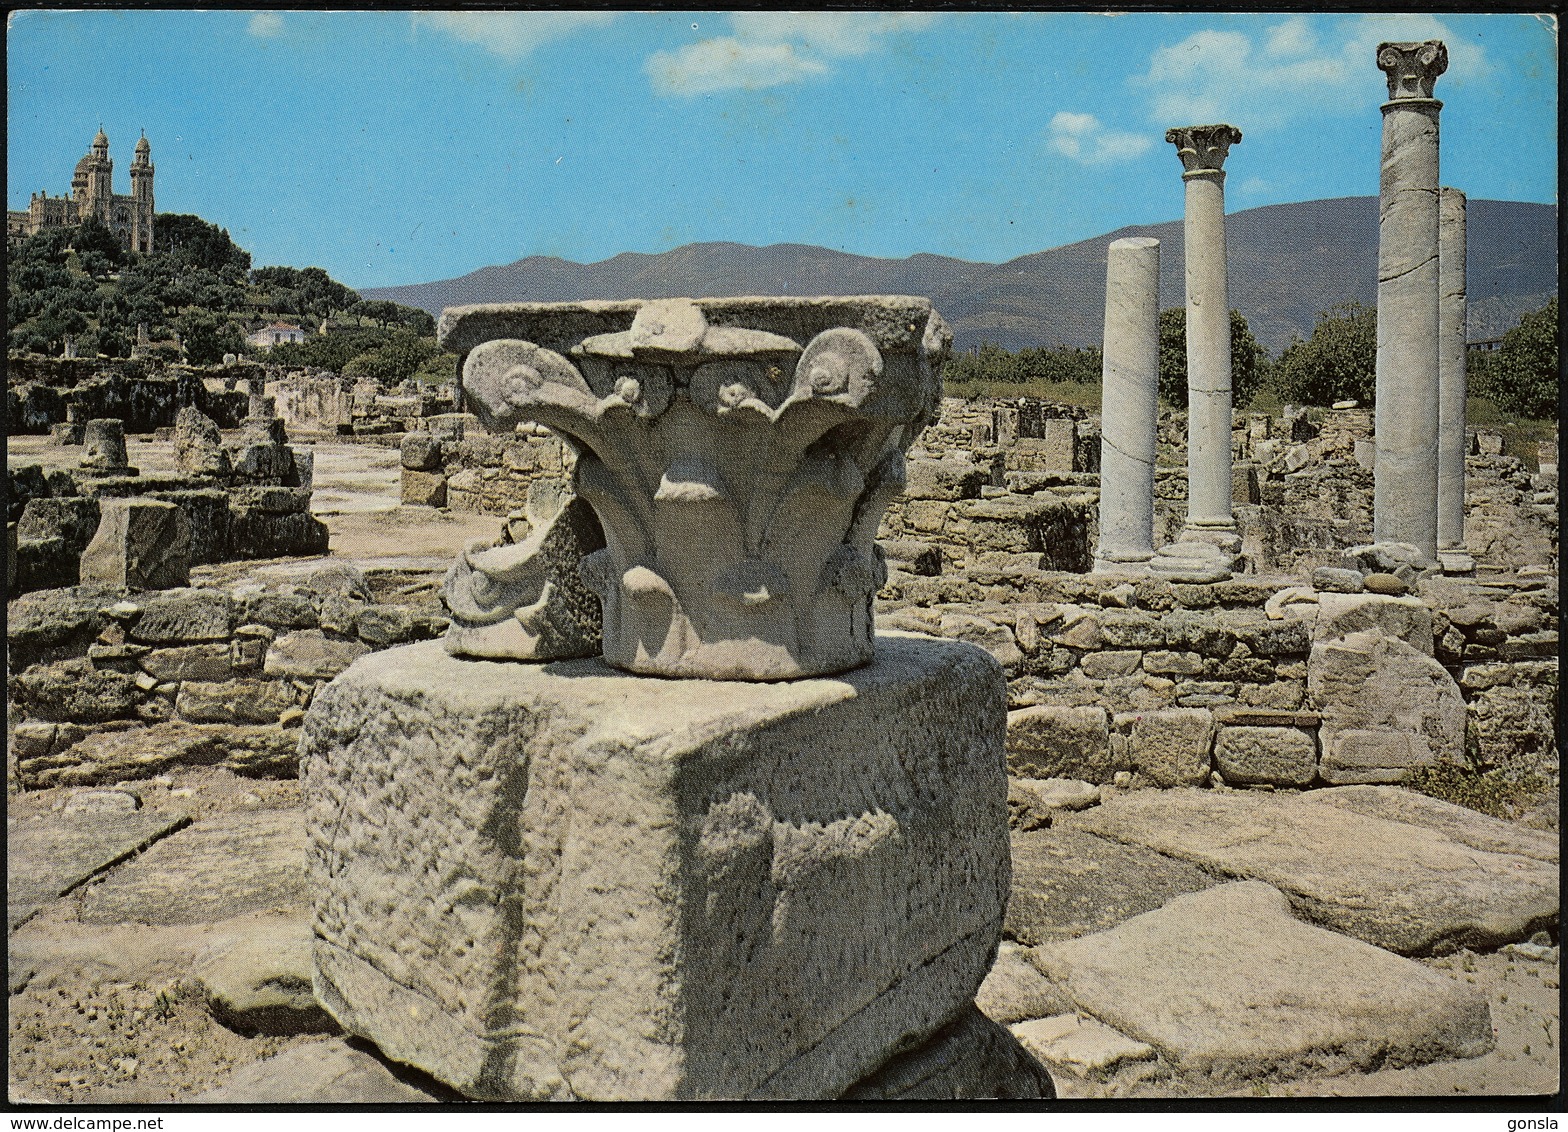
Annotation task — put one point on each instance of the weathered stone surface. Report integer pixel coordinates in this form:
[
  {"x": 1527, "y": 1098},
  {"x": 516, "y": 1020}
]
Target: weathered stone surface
[
  {"x": 280, "y": 611},
  {"x": 74, "y": 691},
  {"x": 141, "y": 752},
  {"x": 1386, "y": 708},
  {"x": 1014, "y": 990},
  {"x": 988, "y": 635},
  {"x": 72, "y": 518},
  {"x": 1109, "y": 665},
  {"x": 422, "y": 489},
  {"x": 140, "y": 544},
  {"x": 1407, "y": 618},
  {"x": 950, "y": 478},
  {"x": 384, "y": 624},
  {"x": 47, "y": 855},
  {"x": 1080, "y": 1046},
  {"x": 189, "y": 662},
  {"x": 261, "y": 984},
  {"x": 1229, "y": 983},
  {"x": 655, "y": 846},
  {"x": 198, "y": 445},
  {"x": 220, "y": 867},
  {"x": 1068, "y": 883},
  {"x": 53, "y": 625},
  {"x": 1129, "y": 403},
  {"x": 1335, "y": 579},
  {"x": 527, "y": 600},
  {"x": 1467, "y": 826},
  {"x": 1399, "y": 886},
  {"x": 739, "y": 519},
  {"x": 970, "y": 1059},
  {"x": 181, "y": 616},
  {"x": 1171, "y": 747},
  {"x": 1050, "y": 741},
  {"x": 1277, "y": 756},
  {"x": 311, "y": 655},
  {"x": 234, "y": 701},
  {"x": 329, "y": 1072}
]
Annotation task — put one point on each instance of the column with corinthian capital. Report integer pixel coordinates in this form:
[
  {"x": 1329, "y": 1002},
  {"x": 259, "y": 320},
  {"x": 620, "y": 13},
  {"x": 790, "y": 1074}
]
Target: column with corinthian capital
[
  {"x": 1209, "y": 536},
  {"x": 1405, "y": 493}
]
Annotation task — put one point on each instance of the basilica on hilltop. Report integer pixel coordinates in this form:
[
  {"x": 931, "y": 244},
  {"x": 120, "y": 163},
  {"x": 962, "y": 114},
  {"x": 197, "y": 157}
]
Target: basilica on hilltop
[{"x": 92, "y": 194}]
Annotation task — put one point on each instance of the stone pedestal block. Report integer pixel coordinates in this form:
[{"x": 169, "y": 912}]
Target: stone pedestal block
[
  {"x": 564, "y": 881},
  {"x": 140, "y": 544}
]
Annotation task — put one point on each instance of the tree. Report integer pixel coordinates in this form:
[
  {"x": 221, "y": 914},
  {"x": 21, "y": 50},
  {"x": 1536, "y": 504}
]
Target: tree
[
  {"x": 1249, "y": 362},
  {"x": 1521, "y": 376},
  {"x": 1339, "y": 361},
  {"x": 92, "y": 236},
  {"x": 191, "y": 241},
  {"x": 397, "y": 359},
  {"x": 207, "y": 337}
]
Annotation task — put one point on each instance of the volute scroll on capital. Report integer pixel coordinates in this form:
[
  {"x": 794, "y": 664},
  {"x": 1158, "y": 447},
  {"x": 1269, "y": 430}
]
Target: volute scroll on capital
[
  {"x": 1412, "y": 68},
  {"x": 1203, "y": 149}
]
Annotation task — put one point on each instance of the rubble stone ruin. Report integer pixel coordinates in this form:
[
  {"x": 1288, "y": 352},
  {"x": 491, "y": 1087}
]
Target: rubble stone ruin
[{"x": 764, "y": 879}]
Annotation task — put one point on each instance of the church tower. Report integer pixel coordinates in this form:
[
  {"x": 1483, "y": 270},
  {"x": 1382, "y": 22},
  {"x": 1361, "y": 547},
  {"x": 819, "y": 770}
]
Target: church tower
[
  {"x": 141, "y": 197},
  {"x": 93, "y": 184}
]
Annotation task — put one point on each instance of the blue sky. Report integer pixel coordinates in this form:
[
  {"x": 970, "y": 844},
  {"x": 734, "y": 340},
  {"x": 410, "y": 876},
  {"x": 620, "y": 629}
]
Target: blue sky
[{"x": 398, "y": 147}]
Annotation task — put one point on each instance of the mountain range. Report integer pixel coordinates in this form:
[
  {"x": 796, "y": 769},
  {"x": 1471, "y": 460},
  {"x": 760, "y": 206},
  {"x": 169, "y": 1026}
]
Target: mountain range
[{"x": 1287, "y": 263}]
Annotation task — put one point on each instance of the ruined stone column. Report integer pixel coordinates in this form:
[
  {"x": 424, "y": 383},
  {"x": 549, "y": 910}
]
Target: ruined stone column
[
  {"x": 1203, "y": 150},
  {"x": 1451, "y": 372},
  {"x": 1129, "y": 407},
  {"x": 1404, "y": 502},
  {"x": 756, "y": 849}
]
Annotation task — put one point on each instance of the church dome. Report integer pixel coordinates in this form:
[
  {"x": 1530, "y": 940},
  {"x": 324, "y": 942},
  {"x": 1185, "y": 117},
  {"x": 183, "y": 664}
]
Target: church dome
[
  {"x": 101, "y": 139},
  {"x": 144, "y": 146}
]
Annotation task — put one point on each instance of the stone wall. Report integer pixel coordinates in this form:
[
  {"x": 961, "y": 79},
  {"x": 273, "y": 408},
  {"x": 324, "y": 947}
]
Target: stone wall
[
  {"x": 44, "y": 392},
  {"x": 106, "y": 685},
  {"x": 464, "y": 469}
]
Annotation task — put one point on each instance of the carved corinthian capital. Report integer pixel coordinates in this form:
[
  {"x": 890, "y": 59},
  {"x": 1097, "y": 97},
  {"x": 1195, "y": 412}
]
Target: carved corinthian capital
[
  {"x": 1412, "y": 68},
  {"x": 1203, "y": 149},
  {"x": 739, "y": 454}
]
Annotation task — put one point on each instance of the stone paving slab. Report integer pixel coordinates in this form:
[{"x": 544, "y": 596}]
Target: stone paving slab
[
  {"x": 223, "y": 866},
  {"x": 330, "y": 1072},
  {"x": 1395, "y": 803},
  {"x": 1227, "y": 982},
  {"x": 1404, "y": 887},
  {"x": 48, "y": 855},
  {"x": 1068, "y": 883}
]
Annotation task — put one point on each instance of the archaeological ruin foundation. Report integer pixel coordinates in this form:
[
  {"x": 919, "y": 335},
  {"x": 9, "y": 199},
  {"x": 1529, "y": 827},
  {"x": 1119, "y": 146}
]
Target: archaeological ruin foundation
[{"x": 781, "y": 728}]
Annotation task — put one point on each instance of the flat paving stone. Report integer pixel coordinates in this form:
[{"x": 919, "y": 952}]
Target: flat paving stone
[
  {"x": 222, "y": 866},
  {"x": 1408, "y": 888},
  {"x": 1068, "y": 883},
  {"x": 1470, "y": 827},
  {"x": 1226, "y": 982},
  {"x": 330, "y": 1072},
  {"x": 48, "y": 855}
]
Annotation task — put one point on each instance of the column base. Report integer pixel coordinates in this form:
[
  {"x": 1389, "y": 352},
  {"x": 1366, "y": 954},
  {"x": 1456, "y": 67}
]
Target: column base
[
  {"x": 1201, "y": 554},
  {"x": 1122, "y": 562},
  {"x": 1456, "y": 560},
  {"x": 562, "y": 881}
]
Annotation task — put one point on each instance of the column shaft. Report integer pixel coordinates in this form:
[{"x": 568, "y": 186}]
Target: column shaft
[
  {"x": 1451, "y": 376},
  {"x": 1404, "y": 507},
  {"x": 1129, "y": 401},
  {"x": 1208, "y": 354}
]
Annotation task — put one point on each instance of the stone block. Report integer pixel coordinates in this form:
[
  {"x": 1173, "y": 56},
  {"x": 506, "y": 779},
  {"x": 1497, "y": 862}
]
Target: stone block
[
  {"x": 1335, "y": 579},
  {"x": 1109, "y": 665},
  {"x": 140, "y": 544},
  {"x": 189, "y": 662},
  {"x": 423, "y": 489},
  {"x": 564, "y": 881},
  {"x": 280, "y": 611},
  {"x": 178, "y": 616},
  {"x": 421, "y": 452},
  {"x": 1386, "y": 707},
  {"x": 1276, "y": 756},
  {"x": 311, "y": 655},
  {"x": 1171, "y": 747},
  {"x": 234, "y": 701},
  {"x": 947, "y": 479},
  {"x": 73, "y": 518},
  {"x": 972, "y": 1058},
  {"x": 1407, "y": 618},
  {"x": 271, "y": 500},
  {"x": 1053, "y": 741},
  {"x": 1165, "y": 663}
]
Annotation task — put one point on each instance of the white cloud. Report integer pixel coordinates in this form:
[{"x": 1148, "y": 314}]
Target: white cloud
[
  {"x": 511, "y": 35},
  {"x": 774, "y": 48},
  {"x": 266, "y": 25},
  {"x": 727, "y": 64},
  {"x": 1082, "y": 138},
  {"x": 832, "y": 33},
  {"x": 1294, "y": 68}
]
